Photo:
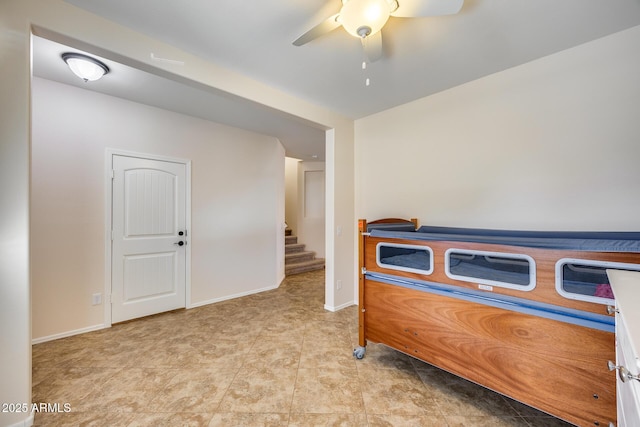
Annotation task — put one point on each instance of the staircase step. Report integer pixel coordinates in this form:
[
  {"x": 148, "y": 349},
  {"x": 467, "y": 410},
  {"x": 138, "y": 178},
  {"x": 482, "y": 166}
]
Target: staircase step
[
  {"x": 296, "y": 247},
  {"x": 303, "y": 267},
  {"x": 288, "y": 232},
  {"x": 290, "y": 240},
  {"x": 296, "y": 259},
  {"x": 299, "y": 257}
]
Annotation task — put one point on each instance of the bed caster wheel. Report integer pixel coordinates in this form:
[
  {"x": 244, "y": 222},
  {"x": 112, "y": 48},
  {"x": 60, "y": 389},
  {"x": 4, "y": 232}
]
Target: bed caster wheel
[{"x": 358, "y": 352}]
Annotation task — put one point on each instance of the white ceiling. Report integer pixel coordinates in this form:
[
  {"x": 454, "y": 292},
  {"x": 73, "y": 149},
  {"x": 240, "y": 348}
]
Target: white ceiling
[
  {"x": 300, "y": 140},
  {"x": 422, "y": 56}
]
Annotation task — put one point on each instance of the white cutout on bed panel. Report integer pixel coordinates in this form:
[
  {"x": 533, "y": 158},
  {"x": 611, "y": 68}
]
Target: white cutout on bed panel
[
  {"x": 410, "y": 258},
  {"x": 505, "y": 270},
  {"x": 586, "y": 280}
]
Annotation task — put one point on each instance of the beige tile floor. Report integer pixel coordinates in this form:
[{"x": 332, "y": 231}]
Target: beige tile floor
[{"x": 273, "y": 359}]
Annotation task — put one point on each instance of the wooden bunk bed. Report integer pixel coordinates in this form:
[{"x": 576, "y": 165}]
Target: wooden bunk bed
[{"x": 522, "y": 313}]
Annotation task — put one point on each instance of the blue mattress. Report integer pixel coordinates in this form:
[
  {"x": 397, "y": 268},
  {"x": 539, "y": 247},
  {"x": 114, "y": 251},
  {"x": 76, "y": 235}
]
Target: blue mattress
[
  {"x": 392, "y": 226},
  {"x": 419, "y": 260},
  {"x": 596, "y": 241},
  {"x": 478, "y": 267}
]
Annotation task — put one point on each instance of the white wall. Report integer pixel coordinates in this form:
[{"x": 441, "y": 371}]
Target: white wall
[
  {"x": 15, "y": 326},
  {"x": 237, "y": 200},
  {"x": 340, "y": 222},
  {"x": 291, "y": 193},
  {"x": 69, "y": 24},
  {"x": 552, "y": 144}
]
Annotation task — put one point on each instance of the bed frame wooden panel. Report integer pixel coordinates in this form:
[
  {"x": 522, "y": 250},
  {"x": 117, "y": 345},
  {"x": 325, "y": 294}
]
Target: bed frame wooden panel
[{"x": 557, "y": 367}]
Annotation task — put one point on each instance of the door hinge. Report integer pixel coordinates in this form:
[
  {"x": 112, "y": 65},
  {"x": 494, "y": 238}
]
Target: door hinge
[
  {"x": 113, "y": 173},
  {"x": 112, "y": 235}
]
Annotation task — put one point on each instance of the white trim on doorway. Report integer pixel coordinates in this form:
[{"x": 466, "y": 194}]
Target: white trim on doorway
[{"x": 109, "y": 153}]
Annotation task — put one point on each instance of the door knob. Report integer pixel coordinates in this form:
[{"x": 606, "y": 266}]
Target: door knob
[{"x": 180, "y": 243}]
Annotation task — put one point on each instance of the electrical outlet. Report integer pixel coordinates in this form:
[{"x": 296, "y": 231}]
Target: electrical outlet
[
  {"x": 96, "y": 299},
  {"x": 339, "y": 284}
]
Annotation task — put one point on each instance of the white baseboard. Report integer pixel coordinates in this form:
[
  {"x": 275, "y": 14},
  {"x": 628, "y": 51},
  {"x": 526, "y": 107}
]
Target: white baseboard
[
  {"x": 340, "y": 307},
  {"x": 27, "y": 422},
  {"x": 68, "y": 334},
  {"x": 194, "y": 305},
  {"x": 229, "y": 297}
]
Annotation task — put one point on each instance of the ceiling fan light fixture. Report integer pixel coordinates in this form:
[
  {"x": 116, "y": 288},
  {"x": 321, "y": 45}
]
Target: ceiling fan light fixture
[
  {"x": 87, "y": 68},
  {"x": 362, "y": 18}
]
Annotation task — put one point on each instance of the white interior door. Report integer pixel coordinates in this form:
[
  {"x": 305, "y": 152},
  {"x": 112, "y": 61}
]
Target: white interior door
[{"x": 148, "y": 219}]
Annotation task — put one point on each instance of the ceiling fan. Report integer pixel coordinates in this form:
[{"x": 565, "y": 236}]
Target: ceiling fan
[{"x": 365, "y": 18}]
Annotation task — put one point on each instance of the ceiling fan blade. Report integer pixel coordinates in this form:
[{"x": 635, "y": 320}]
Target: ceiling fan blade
[
  {"x": 373, "y": 46},
  {"x": 417, "y": 8},
  {"x": 321, "y": 29}
]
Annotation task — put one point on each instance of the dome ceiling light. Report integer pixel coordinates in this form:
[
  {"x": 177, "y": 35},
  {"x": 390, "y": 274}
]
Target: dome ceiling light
[{"x": 87, "y": 68}]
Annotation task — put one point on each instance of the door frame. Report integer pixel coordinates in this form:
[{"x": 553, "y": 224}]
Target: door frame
[{"x": 108, "y": 210}]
